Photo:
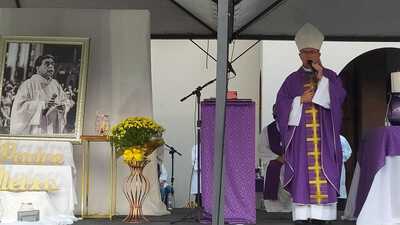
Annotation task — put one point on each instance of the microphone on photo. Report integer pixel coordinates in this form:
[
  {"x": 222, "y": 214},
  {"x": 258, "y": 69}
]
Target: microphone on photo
[{"x": 53, "y": 97}]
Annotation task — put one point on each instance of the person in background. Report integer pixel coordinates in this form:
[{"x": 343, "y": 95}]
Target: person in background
[
  {"x": 6, "y": 104},
  {"x": 276, "y": 199},
  {"x": 195, "y": 174},
  {"x": 165, "y": 188},
  {"x": 346, "y": 149}
]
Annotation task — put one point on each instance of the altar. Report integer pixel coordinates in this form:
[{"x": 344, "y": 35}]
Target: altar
[
  {"x": 373, "y": 197},
  {"x": 39, "y": 174},
  {"x": 239, "y": 189}
]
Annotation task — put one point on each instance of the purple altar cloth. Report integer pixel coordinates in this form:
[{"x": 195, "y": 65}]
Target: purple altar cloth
[
  {"x": 239, "y": 183},
  {"x": 375, "y": 146},
  {"x": 272, "y": 180}
]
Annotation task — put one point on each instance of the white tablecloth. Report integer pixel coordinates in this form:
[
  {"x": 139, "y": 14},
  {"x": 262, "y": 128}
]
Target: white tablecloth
[
  {"x": 56, "y": 208},
  {"x": 382, "y": 206},
  {"x": 9, "y": 149}
]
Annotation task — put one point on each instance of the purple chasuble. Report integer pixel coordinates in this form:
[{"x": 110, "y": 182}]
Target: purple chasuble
[
  {"x": 312, "y": 150},
  {"x": 273, "y": 171},
  {"x": 272, "y": 180},
  {"x": 319, "y": 190},
  {"x": 274, "y": 138}
]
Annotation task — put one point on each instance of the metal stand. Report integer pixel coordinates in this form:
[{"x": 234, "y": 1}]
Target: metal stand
[
  {"x": 197, "y": 93},
  {"x": 172, "y": 151}
]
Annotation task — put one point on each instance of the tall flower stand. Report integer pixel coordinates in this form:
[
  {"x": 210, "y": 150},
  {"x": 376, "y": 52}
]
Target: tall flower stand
[{"x": 135, "y": 189}]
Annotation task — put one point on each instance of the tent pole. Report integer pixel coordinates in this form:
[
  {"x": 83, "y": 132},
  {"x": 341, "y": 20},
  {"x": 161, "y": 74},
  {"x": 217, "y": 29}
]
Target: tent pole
[
  {"x": 17, "y": 3},
  {"x": 222, "y": 84}
]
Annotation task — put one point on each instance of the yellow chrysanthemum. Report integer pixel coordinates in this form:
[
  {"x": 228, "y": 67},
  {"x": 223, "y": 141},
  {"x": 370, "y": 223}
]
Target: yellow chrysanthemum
[
  {"x": 138, "y": 154},
  {"x": 134, "y": 131},
  {"x": 127, "y": 156}
]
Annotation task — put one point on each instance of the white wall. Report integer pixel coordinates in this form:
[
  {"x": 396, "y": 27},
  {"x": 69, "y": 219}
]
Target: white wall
[
  {"x": 119, "y": 81},
  {"x": 178, "y": 67},
  {"x": 280, "y": 58}
]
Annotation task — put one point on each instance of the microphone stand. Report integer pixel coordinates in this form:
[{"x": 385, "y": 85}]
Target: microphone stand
[
  {"x": 197, "y": 93},
  {"x": 172, "y": 151}
]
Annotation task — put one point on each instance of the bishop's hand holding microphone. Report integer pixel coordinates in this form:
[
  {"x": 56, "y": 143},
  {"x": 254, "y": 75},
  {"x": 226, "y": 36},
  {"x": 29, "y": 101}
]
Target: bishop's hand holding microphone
[
  {"x": 316, "y": 69},
  {"x": 315, "y": 75},
  {"x": 308, "y": 93}
]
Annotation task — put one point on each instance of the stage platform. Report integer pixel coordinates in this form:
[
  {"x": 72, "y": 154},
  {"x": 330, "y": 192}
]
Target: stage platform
[{"x": 263, "y": 218}]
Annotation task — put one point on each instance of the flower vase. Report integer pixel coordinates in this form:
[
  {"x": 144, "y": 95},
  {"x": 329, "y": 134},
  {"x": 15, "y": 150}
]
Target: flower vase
[{"x": 136, "y": 188}]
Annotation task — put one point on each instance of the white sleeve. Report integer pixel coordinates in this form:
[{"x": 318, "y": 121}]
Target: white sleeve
[
  {"x": 264, "y": 150},
  {"x": 345, "y": 148},
  {"x": 164, "y": 173},
  {"x": 194, "y": 157},
  {"x": 295, "y": 112},
  {"x": 321, "y": 96}
]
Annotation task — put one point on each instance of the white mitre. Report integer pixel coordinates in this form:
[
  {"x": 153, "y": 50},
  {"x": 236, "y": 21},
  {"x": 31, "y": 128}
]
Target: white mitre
[{"x": 308, "y": 36}]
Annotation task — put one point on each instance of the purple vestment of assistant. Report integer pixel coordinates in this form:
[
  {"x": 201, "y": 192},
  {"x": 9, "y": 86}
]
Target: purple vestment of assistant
[
  {"x": 272, "y": 175},
  {"x": 274, "y": 138},
  {"x": 312, "y": 150}
]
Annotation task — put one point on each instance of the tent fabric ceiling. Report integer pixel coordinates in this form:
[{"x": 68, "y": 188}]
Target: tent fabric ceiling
[
  {"x": 206, "y": 11},
  {"x": 339, "y": 19}
]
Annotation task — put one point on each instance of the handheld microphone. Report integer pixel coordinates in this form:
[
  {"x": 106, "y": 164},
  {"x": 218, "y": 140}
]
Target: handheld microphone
[
  {"x": 313, "y": 75},
  {"x": 310, "y": 62}
]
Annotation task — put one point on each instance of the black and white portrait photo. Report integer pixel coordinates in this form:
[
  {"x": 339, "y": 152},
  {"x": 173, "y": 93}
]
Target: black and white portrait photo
[{"x": 42, "y": 85}]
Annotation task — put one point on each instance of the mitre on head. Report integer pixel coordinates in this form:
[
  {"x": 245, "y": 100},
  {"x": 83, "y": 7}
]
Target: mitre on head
[{"x": 308, "y": 36}]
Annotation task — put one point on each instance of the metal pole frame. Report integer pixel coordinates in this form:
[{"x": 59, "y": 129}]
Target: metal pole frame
[{"x": 222, "y": 84}]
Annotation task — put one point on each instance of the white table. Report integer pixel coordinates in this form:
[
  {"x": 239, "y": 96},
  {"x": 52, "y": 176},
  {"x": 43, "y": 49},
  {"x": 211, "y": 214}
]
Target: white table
[{"x": 56, "y": 207}]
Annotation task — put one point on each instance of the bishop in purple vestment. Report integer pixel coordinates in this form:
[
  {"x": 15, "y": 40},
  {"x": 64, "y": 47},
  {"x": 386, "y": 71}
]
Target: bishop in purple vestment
[{"x": 309, "y": 117}]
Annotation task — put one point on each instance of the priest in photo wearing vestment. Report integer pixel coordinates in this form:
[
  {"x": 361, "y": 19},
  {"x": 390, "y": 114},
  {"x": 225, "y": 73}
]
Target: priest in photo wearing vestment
[{"x": 40, "y": 105}]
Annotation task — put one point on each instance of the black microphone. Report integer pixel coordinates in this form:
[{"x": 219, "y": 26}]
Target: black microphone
[
  {"x": 310, "y": 62},
  {"x": 313, "y": 75}
]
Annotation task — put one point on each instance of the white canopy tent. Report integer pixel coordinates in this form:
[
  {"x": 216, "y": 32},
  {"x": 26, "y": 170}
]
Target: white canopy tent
[{"x": 252, "y": 19}]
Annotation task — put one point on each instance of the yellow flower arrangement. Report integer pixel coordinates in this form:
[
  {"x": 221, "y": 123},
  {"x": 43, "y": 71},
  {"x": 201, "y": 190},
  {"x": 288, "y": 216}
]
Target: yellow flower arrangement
[
  {"x": 133, "y": 154},
  {"x": 135, "y": 138}
]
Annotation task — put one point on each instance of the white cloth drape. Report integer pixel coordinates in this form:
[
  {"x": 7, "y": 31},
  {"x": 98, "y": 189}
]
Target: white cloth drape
[
  {"x": 153, "y": 204},
  {"x": 193, "y": 187},
  {"x": 55, "y": 207},
  {"x": 382, "y": 204}
]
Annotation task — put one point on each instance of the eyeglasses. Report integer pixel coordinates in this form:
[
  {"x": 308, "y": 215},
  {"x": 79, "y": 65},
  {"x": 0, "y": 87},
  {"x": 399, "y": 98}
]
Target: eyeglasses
[{"x": 311, "y": 51}]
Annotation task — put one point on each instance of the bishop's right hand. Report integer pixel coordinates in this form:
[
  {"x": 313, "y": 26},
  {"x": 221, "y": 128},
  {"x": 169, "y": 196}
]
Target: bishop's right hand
[{"x": 307, "y": 96}]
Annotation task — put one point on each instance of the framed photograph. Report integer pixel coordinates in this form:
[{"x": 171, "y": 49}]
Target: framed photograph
[{"x": 43, "y": 85}]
